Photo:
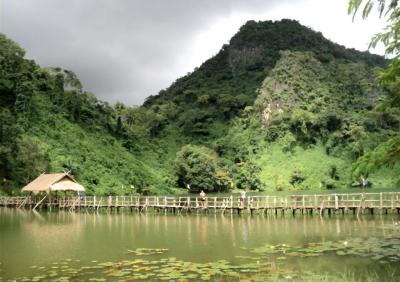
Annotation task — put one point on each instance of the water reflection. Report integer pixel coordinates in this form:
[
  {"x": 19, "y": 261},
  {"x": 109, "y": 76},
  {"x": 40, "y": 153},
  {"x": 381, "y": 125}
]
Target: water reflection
[{"x": 28, "y": 238}]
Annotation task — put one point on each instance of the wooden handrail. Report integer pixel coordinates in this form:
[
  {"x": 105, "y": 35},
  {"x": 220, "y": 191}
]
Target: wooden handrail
[{"x": 381, "y": 200}]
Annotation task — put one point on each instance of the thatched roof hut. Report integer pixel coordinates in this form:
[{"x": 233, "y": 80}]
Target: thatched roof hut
[{"x": 53, "y": 182}]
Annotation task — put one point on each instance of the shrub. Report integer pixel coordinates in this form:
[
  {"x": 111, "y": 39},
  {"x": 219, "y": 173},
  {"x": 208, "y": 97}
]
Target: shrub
[
  {"x": 297, "y": 177},
  {"x": 197, "y": 168}
]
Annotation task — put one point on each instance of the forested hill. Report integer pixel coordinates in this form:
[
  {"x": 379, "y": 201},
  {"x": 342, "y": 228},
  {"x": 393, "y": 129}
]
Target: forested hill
[
  {"x": 278, "y": 108},
  {"x": 226, "y": 83}
]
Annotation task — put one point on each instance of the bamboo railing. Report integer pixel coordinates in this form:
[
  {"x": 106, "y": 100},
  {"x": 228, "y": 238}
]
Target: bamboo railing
[{"x": 383, "y": 200}]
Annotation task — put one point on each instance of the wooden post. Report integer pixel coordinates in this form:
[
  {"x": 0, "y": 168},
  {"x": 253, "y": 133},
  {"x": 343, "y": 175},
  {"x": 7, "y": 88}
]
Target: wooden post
[
  {"x": 361, "y": 204},
  {"x": 392, "y": 201},
  {"x": 336, "y": 202},
  {"x": 39, "y": 202},
  {"x": 321, "y": 211}
]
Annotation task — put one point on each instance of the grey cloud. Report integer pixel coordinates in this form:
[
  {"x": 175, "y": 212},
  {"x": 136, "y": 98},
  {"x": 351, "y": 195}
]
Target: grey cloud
[{"x": 121, "y": 50}]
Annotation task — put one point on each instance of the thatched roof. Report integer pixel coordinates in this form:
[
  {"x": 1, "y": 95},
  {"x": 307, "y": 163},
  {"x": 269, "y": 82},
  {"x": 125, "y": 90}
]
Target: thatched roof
[{"x": 53, "y": 182}]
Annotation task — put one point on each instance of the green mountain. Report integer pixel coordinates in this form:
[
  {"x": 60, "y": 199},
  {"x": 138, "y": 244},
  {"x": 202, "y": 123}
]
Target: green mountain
[{"x": 278, "y": 108}]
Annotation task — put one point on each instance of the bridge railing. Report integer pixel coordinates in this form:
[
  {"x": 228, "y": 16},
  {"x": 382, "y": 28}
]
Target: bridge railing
[
  {"x": 351, "y": 200},
  {"x": 365, "y": 200}
]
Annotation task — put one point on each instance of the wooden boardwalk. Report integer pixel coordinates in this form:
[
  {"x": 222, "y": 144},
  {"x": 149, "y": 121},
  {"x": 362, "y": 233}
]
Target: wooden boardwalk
[{"x": 354, "y": 203}]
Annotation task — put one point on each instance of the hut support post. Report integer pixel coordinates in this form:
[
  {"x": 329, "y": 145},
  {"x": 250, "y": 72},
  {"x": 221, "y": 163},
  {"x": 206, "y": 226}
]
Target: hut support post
[{"x": 39, "y": 202}]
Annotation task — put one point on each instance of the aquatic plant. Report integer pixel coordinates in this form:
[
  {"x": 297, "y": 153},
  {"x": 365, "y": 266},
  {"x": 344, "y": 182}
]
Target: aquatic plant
[{"x": 264, "y": 263}]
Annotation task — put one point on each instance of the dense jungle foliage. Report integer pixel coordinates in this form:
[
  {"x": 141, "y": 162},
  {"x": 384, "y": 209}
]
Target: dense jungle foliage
[
  {"x": 386, "y": 154},
  {"x": 278, "y": 108}
]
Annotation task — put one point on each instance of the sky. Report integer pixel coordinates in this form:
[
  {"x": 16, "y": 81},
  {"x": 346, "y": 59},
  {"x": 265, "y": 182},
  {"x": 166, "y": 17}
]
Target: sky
[{"x": 127, "y": 50}]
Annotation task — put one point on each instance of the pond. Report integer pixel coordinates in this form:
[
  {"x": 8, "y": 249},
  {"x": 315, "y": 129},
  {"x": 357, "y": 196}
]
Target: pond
[{"x": 63, "y": 246}]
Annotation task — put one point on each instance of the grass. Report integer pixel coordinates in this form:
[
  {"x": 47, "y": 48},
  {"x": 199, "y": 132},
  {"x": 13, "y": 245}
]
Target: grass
[{"x": 313, "y": 168}]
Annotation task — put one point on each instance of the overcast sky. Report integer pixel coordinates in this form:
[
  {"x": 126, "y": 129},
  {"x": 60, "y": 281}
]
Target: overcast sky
[{"x": 126, "y": 50}]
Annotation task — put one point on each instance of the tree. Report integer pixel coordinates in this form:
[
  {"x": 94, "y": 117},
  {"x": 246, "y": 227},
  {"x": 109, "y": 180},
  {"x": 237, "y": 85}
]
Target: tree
[
  {"x": 197, "y": 168},
  {"x": 389, "y": 37},
  {"x": 247, "y": 177},
  {"x": 9, "y": 135},
  {"x": 31, "y": 160},
  {"x": 387, "y": 153}
]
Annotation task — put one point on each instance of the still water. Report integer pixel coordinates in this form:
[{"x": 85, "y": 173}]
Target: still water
[{"x": 67, "y": 246}]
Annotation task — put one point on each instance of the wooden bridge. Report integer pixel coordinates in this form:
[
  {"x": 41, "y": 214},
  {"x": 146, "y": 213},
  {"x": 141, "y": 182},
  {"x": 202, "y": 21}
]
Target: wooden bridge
[{"x": 355, "y": 203}]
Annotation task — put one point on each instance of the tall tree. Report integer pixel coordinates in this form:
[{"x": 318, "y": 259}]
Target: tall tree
[{"x": 387, "y": 153}]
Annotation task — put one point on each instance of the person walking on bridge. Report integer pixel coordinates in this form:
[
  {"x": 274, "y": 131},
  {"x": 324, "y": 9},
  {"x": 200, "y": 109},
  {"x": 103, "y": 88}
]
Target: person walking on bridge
[
  {"x": 203, "y": 198},
  {"x": 242, "y": 198}
]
